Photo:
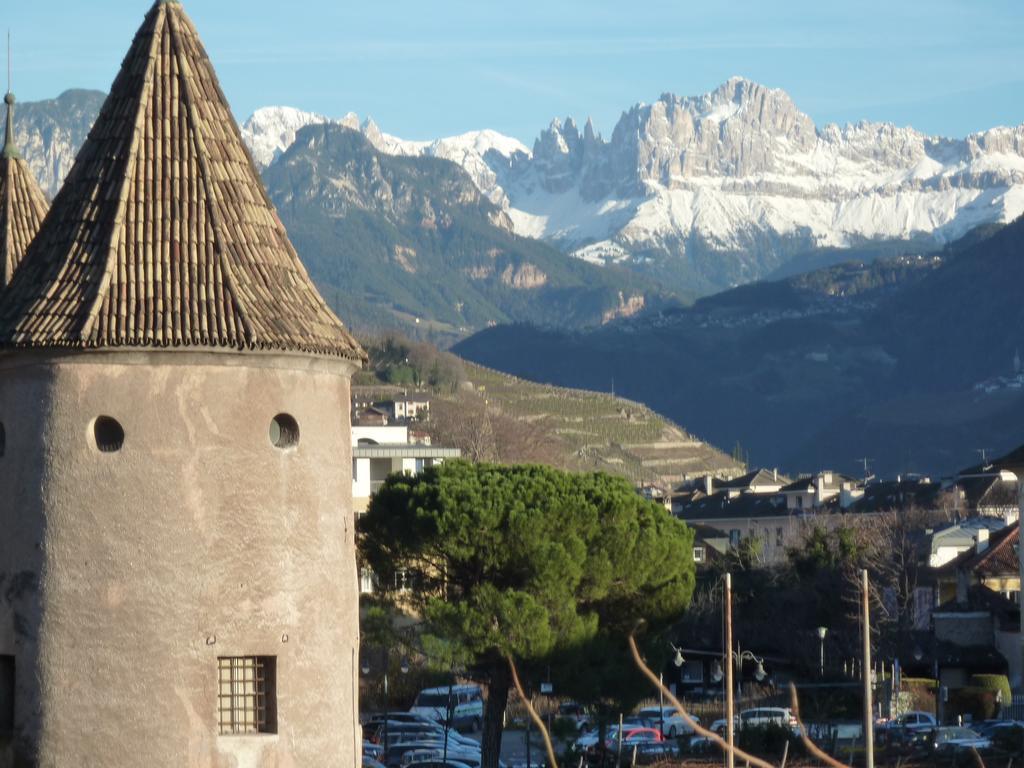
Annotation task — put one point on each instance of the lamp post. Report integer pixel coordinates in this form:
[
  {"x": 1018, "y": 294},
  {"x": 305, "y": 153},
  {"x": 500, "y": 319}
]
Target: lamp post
[
  {"x": 365, "y": 669},
  {"x": 678, "y": 661},
  {"x": 738, "y": 657},
  {"x": 822, "y": 632},
  {"x": 730, "y": 730}
]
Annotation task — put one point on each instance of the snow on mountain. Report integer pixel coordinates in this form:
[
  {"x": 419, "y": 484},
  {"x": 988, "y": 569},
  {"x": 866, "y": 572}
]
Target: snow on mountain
[
  {"x": 483, "y": 154},
  {"x": 726, "y": 185},
  {"x": 271, "y": 130},
  {"x": 740, "y": 175},
  {"x": 708, "y": 191}
]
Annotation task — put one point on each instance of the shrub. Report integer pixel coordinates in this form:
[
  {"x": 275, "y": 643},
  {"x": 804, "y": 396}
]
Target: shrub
[
  {"x": 997, "y": 684},
  {"x": 769, "y": 741},
  {"x": 979, "y": 703}
]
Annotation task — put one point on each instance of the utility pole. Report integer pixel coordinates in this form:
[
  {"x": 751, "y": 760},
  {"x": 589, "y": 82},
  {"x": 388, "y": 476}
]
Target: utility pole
[
  {"x": 865, "y": 669},
  {"x": 729, "y": 725},
  {"x": 1020, "y": 550}
]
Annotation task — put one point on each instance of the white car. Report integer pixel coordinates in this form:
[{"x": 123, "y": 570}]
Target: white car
[
  {"x": 765, "y": 715},
  {"x": 912, "y": 719},
  {"x": 669, "y": 720}
]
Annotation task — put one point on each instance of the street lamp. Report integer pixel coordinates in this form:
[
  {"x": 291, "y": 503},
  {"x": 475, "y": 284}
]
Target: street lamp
[
  {"x": 738, "y": 657},
  {"x": 822, "y": 632},
  {"x": 677, "y": 660},
  {"x": 364, "y": 667}
]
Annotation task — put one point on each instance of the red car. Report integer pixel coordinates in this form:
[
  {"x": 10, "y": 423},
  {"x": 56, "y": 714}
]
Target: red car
[{"x": 631, "y": 736}]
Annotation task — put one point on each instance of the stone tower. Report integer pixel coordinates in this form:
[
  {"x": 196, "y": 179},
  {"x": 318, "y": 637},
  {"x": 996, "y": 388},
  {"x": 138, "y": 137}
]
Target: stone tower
[
  {"x": 22, "y": 203},
  {"x": 177, "y": 559}
]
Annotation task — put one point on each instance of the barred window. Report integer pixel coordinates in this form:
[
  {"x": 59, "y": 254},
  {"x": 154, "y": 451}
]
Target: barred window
[
  {"x": 247, "y": 694},
  {"x": 6, "y": 695}
]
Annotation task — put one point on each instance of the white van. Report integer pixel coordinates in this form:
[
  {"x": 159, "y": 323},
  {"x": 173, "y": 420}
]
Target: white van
[{"x": 466, "y": 704}]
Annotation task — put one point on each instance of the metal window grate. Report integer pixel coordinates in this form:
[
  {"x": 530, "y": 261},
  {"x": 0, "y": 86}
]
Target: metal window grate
[{"x": 245, "y": 687}]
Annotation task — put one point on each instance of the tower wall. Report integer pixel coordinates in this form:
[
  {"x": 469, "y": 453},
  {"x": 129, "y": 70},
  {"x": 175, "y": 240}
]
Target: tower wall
[{"x": 125, "y": 575}]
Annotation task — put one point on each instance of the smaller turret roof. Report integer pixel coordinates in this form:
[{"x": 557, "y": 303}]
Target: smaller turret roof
[{"x": 23, "y": 205}]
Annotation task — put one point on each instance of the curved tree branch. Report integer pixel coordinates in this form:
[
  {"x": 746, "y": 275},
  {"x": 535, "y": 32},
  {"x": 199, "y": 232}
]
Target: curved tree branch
[
  {"x": 537, "y": 720},
  {"x": 709, "y": 735},
  {"x": 812, "y": 748}
]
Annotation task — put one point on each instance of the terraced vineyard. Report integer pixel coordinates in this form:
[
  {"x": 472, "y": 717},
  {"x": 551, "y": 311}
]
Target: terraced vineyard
[{"x": 590, "y": 430}]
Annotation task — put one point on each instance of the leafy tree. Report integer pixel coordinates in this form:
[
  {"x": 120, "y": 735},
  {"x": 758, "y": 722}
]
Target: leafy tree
[{"x": 527, "y": 563}]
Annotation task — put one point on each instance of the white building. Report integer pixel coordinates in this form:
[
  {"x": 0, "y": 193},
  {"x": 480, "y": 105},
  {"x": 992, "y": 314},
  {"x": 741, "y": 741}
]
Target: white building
[{"x": 381, "y": 451}]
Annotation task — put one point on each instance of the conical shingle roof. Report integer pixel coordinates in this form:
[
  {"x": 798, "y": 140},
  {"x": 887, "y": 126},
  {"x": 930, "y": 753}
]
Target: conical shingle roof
[
  {"x": 22, "y": 203},
  {"x": 163, "y": 235}
]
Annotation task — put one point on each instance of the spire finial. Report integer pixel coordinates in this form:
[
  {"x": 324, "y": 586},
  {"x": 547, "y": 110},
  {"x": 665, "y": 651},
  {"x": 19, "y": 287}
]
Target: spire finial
[{"x": 10, "y": 151}]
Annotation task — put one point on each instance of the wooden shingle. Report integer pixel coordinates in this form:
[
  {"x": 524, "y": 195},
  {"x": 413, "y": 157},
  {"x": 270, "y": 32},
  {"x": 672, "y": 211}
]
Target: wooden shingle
[
  {"x": 22, "y": 203},
  {"x": 163, "y": 234}
]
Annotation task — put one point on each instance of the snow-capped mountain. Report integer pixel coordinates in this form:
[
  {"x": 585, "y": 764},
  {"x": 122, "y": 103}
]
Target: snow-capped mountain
[
  {"x": 483, "y": 154},
  {"x": 726, "y": 187},
  {"x": 742, "y": 171},
  {"x": 701, "y": 192}
]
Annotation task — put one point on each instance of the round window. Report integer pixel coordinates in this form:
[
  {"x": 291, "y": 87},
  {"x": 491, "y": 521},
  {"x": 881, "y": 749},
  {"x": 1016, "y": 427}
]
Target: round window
[
  {"x": 284, "y": 431},
  {"x": 109, "y": 434}
]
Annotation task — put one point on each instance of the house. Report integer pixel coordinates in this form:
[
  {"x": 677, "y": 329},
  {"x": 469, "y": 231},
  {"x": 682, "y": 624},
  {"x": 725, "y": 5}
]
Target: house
[
  {"x": 760, "y": 481},
  {"x": 992, "y": 487},
  {"x": 378, "y": 452},
  {"x": 709, "y": 544},
  {"x": 976, "y": 618},
  {"x": 656, "y": 494},
  {"x": 816, "y": 491},
  {"x": 407, "y": 408},
  {"x": 992, "y": 563},
  {"x": 747, "y": 516},
  {"x": 765, "y": 506},
  {"x": 903, "y": 493},
  {"x": 369, "y": 416},
  {"x": 941, "y": 545}
]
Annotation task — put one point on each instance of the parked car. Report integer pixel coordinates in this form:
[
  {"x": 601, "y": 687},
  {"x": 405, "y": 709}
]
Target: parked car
[
  {"x": 449, "y": 763},
  {"x": 574, "y": 713},
  {"x": 632, "y": 736},
  {"x": 950, "y": 739},
  {"x": 586, "y": 742},
  {"x": 911, "y": 719},
  {"x": 398, "y": 717},
  {"x": 369, "y": 762},
  {"x": 668, "y": 720},
  {"x": 454, "y": 739},
  {"x": 436, "y": 752},
  {"x": 396, "y": 731},
  {"x": 765, "y": 715},
  {"x": 464, "y": 703},
  {"x": 718, "y": 726},
  {"x": 989, "y": 728}
]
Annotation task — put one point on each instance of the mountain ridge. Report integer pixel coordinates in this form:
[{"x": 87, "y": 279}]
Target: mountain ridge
[
  {"x": 411, "y": 242},
  {"x": 912, "y": 361},
  {"x": 695, "y": 194},
  {"x": 709, "y": 191}
]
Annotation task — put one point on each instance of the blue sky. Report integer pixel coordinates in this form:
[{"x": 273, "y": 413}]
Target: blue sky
[{"x": 427, "y": 69}]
